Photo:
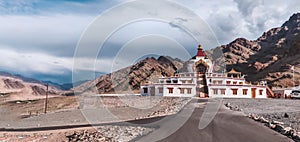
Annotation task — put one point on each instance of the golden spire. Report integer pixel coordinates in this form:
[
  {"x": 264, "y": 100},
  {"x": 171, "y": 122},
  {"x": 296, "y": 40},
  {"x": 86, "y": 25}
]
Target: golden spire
[{"x": 200, "y": 47}]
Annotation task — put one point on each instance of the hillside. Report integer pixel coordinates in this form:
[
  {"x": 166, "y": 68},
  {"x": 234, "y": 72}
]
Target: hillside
[
  {"x": 14, "y": 87},
  {"x": 131, "y": 77},
  {"x": 270, "y": 57}
]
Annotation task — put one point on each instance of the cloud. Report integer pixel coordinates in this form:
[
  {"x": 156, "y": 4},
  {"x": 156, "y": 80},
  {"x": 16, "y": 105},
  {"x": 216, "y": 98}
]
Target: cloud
[
  {"x": 47, "y": 67},
  {"x": 47, "y": 64},
  {"x": 242, "y": 18},
  {"x": 56, "y": 35},
  {"x": 246, "y": 7},
  {"x": 33, "y": 62},
  {"x": 41, "y": 36}
]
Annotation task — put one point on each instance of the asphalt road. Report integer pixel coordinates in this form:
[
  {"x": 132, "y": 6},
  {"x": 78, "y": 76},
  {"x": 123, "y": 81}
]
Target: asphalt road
[{"x": 227, "y": 126}]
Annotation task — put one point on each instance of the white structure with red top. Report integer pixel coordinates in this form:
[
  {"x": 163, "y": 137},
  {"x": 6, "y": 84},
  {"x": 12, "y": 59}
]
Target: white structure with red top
[{"x": 201, "y": 81}]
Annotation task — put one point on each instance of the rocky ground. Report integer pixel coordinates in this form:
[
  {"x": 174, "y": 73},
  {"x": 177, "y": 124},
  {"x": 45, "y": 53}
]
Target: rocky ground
[
  {"x": 280, "y": 115},
  {"x": 126, "y": 108},
  {"x": 107, "y": 133}
]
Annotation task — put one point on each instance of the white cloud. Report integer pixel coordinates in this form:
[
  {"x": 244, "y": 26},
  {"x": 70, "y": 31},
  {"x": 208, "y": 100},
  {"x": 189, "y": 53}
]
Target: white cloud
[
  {"x": 44, "y": 39},
  {"x": 33, "y": 62},
  {"x": 47, "y": 64},
  {"x": 56, "y": 34},
  {"x": 247, "y": 18}
]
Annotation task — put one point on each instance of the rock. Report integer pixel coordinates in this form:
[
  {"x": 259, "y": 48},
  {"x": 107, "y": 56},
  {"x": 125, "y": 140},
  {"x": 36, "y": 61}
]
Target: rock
[
  {"x": 101, "y": 139},
  {"x": 286, "y": 115},
  {"x": 263, "y": 120},
  {"x": 254, "y": 117},
  {"x": 272, "y": 126},
  {"x": 287, "y": 131},
  {"x": 277, "y": 122},
  {"x": 296, "y": 138},
  {"x": 279, "y": 128}
]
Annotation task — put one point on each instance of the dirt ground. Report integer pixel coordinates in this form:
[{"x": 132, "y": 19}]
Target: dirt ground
[
  {"x": 106, "y": 133},
  {"x": 78, "y": 111}
]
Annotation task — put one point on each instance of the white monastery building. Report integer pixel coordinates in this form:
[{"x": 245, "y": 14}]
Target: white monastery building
[{"x": 202, "y": 81}]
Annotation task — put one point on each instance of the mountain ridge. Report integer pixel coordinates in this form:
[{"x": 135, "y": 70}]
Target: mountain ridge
[
  {"x": 17, "y": 87},
  {"x": 129, "y": 79},
  {"x": 270, "y": 57}
]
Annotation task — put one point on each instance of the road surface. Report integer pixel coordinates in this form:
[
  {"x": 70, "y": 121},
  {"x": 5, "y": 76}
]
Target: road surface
[{"x": 227, "y": 126}]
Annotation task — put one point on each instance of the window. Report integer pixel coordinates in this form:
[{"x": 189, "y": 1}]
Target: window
[
  {"x": 260, "y": 92},
  {"x": 189, "y": 90},
  {"x": 175, "y": 81},
  {"x": 183, "y": 81},
  {"x": 241, "y": 83},
  {"x": 160, "y": 90},
  {"x": 245, "y": 91},
  {"x": 223, "y": 91},
  {"x": 234, "y": 91},
  {"x": 215, "y": 91},
  {"x": 170, "y": 90},
  {"x": 145, "y": 90},
  {"x": 181, "y": 90},
  {"x": 168, "y": 81},
  {"x": 217, "y": 82},
  {"x": 234, "y": 82},
  {"x": 228, "y": 82}
]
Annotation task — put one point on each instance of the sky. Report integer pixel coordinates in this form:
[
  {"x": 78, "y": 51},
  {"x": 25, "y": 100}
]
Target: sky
[{"x": 41, "y": 38}]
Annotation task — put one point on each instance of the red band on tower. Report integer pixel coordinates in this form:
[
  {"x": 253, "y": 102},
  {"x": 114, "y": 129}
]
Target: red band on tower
[{"x": 200, "y": 52}]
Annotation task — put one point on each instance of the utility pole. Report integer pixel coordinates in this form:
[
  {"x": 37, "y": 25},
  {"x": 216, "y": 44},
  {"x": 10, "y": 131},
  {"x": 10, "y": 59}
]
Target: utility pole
[
  {"x": 294, "y": 83},
  {"x": 46, "y": 100}
]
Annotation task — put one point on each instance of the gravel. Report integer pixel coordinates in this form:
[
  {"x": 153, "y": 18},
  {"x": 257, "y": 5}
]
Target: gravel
[
  {"x": 122, "y": 108},
  {"x": 108, "y": 134},
  {"x": 280, "y": 115}
]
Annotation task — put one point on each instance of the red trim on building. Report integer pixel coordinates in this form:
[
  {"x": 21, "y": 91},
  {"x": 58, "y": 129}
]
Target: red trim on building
[{"x": 200, "y": 53}]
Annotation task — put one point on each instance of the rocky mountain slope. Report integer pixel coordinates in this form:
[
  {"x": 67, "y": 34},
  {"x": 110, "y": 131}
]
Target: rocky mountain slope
[
  {"x": 13, "y": 87},
  {"x": 130, "y": 78},
  {"x": 271, "y": 57}
]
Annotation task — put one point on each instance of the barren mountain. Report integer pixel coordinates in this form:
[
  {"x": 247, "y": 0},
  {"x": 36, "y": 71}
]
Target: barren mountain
[
  {"x": 14, "y": 87},
  {"x": 131, "y": 77},
  {"x": 271, "y": 57}
]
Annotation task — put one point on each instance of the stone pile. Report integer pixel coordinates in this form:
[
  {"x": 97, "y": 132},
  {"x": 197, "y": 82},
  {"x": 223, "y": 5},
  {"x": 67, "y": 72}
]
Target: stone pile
[
  {"x": 173, "y": 107},
  {"x": 271, "y": 120},
  {"x": 108, "y": 134},
  {"x": 232, "y": 107},
  {"x": 277, "y": 126},
  {"x": 85, "y": 136}
]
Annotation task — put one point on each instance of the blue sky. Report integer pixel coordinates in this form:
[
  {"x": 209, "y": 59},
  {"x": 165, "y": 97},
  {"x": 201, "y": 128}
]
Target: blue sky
[{"x": 39, "y": 37}]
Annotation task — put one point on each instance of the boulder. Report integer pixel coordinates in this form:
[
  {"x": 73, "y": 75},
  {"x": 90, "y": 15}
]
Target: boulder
[
  {"x": 272, "y": 126},
  {"x": 287, "y": 131},
  {"x": 263, "y": 120},
  {"x": 277, "y": 122},
  {"x": 296, "y": 137},
  {"x": 279, "y": 128}
]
